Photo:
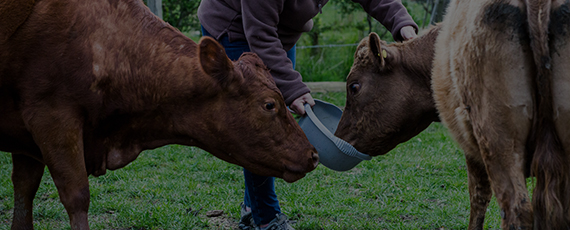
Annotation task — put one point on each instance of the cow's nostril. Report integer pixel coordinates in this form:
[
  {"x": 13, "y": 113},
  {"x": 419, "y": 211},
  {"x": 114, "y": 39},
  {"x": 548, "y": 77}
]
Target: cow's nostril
[{"x": 315, "y": 158}]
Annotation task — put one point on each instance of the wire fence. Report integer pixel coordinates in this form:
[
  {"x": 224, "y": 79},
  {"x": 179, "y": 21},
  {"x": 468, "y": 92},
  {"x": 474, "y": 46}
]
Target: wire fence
[{"x": 326, "y": 46}]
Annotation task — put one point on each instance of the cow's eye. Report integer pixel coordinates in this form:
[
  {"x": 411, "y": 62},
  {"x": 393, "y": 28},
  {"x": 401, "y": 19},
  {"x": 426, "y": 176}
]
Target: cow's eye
[
  {"x": 354, "y": 87},
  {"x": 269, "y": 106}
]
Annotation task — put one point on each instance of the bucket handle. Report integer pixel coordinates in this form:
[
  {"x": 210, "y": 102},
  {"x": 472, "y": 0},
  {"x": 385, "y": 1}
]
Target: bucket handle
[{"x": 341, "y": 144}]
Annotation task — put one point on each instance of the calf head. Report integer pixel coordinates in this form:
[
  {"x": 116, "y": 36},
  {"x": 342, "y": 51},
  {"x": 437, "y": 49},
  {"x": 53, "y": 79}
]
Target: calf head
[
  {"x": 389, "y": 98},
  {"x": 248, "y": 119}
]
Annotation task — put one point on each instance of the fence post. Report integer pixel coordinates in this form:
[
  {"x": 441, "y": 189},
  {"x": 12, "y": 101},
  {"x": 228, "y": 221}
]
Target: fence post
[
  {"x": 438, "y": 11},
  {"x": 156, "y": 7}
]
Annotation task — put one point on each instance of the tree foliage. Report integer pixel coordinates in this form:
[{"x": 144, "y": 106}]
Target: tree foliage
[
  {"x": 432, "y": 10},
  {"x": 346, "y": 6},
  {"x": 181, "y": 14}
]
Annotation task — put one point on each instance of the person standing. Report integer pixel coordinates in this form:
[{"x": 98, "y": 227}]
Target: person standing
[{"x": 271, "y": 29}]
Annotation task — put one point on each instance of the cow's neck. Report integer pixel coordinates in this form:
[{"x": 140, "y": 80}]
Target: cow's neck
[
  {"x": 144, "y": 110},
  {"x": 146, "y": 86},
  {"x": 144, "y": 66},
  {"x": 417, "y": 58},
  {"x": 418, "y": 55}
]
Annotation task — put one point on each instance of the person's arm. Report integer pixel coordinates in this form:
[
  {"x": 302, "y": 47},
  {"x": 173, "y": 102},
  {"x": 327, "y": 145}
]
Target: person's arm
[
  {"x": 260, "y": 19},
  {"x": 393, "y": 15}
]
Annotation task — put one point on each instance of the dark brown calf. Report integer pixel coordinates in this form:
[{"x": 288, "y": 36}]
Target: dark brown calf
[
  {"x": 85, "y": 86},
  {"x": 389, "y": 98}
]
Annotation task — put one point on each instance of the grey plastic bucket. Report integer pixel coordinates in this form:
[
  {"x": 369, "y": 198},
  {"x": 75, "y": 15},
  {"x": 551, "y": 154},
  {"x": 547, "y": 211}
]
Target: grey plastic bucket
[{"x": 319, "y": 125}]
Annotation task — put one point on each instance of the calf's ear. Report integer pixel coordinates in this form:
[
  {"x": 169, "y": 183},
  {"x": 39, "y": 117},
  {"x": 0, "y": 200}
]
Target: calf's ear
[
  {"x": 376, "y": 50},
  {"x": 215, "y": 62}
]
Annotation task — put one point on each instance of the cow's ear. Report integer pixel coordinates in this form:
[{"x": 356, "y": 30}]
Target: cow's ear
[
  {"x": 376, "y": 50},
  {"x": 215, "y": 62},
  {"x": 12, "y": 14}
]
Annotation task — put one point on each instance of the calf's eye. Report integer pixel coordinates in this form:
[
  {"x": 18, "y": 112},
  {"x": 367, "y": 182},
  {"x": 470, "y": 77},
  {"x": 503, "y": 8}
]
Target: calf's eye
[
  {"x": 269, "y": 106},
  {"x": 354, "y": 87}
]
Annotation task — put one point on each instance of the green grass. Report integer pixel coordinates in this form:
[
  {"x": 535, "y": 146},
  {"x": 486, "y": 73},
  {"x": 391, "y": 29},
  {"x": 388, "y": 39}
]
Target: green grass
[{"x": 422, "y": 184}]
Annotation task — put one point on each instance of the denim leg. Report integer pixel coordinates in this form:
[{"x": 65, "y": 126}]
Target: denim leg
[
  {"x": 260, "y": 196},
  {"x": 292, "y": 55},
  {"x": 233, "y": 49}
]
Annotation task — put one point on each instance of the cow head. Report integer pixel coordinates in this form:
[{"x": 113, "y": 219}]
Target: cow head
[
  {"x": 389, "y": 98},
  {"x": 248, "y": 118}
]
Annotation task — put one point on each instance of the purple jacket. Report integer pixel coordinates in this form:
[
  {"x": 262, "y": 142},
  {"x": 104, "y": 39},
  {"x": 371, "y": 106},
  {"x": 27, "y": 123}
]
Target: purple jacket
[{"x": 272, "y": 27}]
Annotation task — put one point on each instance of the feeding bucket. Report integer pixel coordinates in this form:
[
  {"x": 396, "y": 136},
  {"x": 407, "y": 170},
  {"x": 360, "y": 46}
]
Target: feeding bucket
[{"x": 319, "y": 124}]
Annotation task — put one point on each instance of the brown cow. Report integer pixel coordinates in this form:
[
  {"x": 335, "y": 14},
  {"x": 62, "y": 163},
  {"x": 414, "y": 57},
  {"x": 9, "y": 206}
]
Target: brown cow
[
  {"x": 500, "y": 81},
  {"x": 85, "y": 86}
]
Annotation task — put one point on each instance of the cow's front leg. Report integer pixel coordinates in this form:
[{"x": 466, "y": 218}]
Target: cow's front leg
[
  {"x": 26, "y": 176},
  {"x": 73, "y": 188},
  {"x": 479, "y": 190},
  {"x": 59, "y": 135}
]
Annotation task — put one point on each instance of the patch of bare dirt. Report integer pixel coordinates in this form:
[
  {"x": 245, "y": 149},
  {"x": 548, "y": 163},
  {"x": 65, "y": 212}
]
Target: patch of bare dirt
[{"x": 222, "y": 221}]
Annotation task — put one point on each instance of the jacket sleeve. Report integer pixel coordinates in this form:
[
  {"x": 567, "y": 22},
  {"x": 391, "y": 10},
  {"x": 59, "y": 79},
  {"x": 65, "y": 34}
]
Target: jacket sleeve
[
  {"x": 260, "y": 19},
  {"x": 391, "y": 13}
]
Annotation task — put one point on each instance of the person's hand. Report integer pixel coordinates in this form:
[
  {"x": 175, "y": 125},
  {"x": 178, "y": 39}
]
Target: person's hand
[
  {"x": 408, "y": 32},
  {"x": 298, "y": 105}
]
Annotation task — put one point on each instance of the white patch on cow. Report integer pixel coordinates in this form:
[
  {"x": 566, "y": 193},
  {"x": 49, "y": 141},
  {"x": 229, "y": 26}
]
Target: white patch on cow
[
  {"x": 98, "y": 60},
  {"x": 97, "y": 47}
]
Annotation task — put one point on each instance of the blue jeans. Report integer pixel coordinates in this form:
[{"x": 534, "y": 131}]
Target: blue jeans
[
  {"x": 236, "y": 48},
  {"x": 259, "y": 190}
]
